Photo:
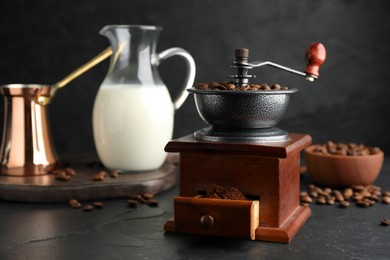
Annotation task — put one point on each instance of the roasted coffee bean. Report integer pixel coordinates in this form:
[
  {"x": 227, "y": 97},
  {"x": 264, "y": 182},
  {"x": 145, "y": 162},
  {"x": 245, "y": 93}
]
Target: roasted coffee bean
[
  {"x": 357, "y": 197},
  {"x": 324, "y": 193},
  {"x": 152, "y": 203},
  {"x": 61, "y": 175},
  {"x": 384, "y": 222},
  {"x": 276, "y": 87},
  {"x": 114, "y": 174},
  {"x": 70, "y": 171},
  {"x": 88, "y": 208},
  {"x": 99, "y": 176},
  {"x": 132, "y": 203},
  {"x": 344, "y": 204},
  {"x": 374, "y": 197},
  {"x": 386, "y": 200},
  {"x": 358, "y": 187},
  {"x": 386, "y": 193},
  {"x": 338, "y": 196},
  {"x": 363, "y": 204},
  {"x": 148, "y": 196},
  {"x": 348, "y": 192},
  {"x": 73, "y": 203},
  {"x": 97, "y": 205},
  {"x": 303, "y": 169},
  {"x": 230, "y": 86},
  {"x": 306, "y": 198},
  {"x": 304, "y": 204},
  {"x": 321, "y": 200},
  {"x": 202, "y": 86},
  {"x": 375, "y": 150},
  {"x": 138, "y": 198},
  {"x": 313, "y": 194},
  {"x": 330, "y": 201}
]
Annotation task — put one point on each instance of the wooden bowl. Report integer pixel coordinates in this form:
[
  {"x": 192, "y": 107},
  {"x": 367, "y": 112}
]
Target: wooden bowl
[{"x": 342, "y": 170}]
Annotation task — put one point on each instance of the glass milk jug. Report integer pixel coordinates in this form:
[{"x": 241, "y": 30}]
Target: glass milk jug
[{"x": 133, "y": 111}]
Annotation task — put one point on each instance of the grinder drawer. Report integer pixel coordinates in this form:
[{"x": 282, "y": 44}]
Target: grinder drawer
[{"x": 216, "y": 217}]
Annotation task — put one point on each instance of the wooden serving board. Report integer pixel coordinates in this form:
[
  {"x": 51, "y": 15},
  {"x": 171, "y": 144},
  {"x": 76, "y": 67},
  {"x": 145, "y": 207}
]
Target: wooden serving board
[{"x": 46, "y": 189}]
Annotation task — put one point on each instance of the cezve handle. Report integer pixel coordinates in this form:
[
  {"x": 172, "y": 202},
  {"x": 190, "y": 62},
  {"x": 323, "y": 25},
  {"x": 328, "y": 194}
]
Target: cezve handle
[{"x": 191, "y": 70}]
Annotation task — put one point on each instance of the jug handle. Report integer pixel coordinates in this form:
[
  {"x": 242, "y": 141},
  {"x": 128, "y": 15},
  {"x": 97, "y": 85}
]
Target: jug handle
[{"x": 191, "y": 70}]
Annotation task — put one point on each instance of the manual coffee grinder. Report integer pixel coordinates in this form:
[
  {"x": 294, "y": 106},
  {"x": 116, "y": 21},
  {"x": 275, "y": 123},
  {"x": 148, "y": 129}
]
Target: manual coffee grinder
[{"x": 243, "y": 148}]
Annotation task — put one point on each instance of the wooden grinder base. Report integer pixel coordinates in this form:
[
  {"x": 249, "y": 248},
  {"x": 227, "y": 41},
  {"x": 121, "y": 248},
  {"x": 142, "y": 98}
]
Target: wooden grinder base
[{"x": 267, "y": 173}]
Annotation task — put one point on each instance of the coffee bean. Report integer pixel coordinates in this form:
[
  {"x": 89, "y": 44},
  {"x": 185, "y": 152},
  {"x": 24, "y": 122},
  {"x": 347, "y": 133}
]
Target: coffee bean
[
  {"x": 385, "y": 222},
  {"x": 88, "y": 208},
  {"x": 148, "y": 196},
  {"x": 132, "y": 203},
  {"x": 230, "y": 86},
  {"x": 386, "y": 193},
  {"x": 306, "y": 198},
  {"x": 73, "y": 203},
  {"x": 99, "y": 176},
  {"x": 313, "y": 194},
  {"x": 152, "y": 203},
  {"x": 357, "y": 197},
  {"x": 330, "y": 201},
  {"x": 114, "y": 173},
  {"x": 339, "y": 197},
  {"x": 276, "y": 87},
  {"x": 358, "y": 187},
  {"x": 138, "y": 198},
  {"x": 97, "y": 205},
  {"x": 363, "y": 204},
  {"x": 70, "y": 171},
  {"x": 386, "y": 200},
  {"x": 61, "y": 175},
  {"x": 348, "y": 192},
  {"x": 321, "y": 200},
  {"x": 344, "y": 204}
]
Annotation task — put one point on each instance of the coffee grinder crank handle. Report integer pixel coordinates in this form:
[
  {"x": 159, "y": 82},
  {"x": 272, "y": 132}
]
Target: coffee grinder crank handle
[{"x": 315, "y": 56}]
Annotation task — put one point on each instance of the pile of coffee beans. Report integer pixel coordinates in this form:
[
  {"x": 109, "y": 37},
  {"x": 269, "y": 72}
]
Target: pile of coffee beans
[
  {"x": 362, "y": 196},
  {"x": 232, "y": 86},
  {"x": 352, "y": 149}
]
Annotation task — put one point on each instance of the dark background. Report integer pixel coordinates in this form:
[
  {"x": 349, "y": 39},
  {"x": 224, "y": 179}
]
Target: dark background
[{"x": 43, "y": 41}]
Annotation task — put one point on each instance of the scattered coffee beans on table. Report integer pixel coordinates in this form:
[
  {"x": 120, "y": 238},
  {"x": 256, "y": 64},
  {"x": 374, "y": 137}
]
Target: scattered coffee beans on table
[
  {"x": 362, "y": 196},
  {"x": 231, "y": 86}
]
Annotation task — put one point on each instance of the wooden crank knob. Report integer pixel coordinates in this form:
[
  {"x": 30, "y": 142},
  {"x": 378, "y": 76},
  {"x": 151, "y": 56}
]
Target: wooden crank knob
[{"x": 315, "y": 56}]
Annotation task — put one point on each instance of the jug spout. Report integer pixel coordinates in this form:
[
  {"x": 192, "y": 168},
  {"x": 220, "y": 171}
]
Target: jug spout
[{"x": 26, "y": 148}]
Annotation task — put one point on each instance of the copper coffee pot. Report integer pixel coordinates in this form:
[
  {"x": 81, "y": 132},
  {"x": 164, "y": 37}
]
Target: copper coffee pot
[{"x": 26, "y": 147}]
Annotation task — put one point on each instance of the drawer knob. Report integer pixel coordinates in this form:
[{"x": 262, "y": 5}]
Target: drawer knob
[{"x": 207, "y": 221}]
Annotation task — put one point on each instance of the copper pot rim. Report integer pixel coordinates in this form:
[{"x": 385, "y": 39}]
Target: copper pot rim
[{"x": 23, "y": 85}]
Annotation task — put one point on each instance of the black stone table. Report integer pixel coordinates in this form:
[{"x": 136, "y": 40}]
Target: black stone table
[{"x": 55, "y": 231}]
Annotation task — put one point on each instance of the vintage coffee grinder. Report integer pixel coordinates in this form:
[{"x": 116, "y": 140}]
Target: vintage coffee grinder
[{"x": 243, "y": 148}]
